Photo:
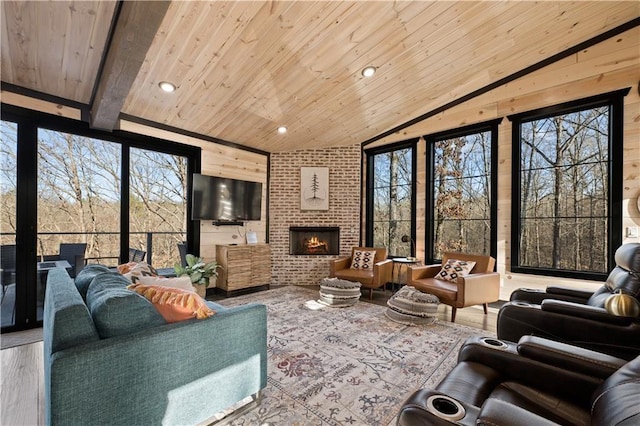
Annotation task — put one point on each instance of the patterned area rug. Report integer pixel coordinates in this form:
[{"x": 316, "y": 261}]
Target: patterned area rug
[{"x": 344, "y": 366}]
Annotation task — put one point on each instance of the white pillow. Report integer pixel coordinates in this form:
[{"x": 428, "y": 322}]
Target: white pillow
[{"x": 183, "y": 282}]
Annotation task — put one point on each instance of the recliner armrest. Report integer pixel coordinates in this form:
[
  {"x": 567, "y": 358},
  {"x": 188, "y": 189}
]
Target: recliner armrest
[
  {"x": 564, "y": 291},
  {"x": 569, "y": 357},
  {"x": 537, "y": 296},
  {"x": 583, "y": 311},
  {"x": 497, "y": 412}
]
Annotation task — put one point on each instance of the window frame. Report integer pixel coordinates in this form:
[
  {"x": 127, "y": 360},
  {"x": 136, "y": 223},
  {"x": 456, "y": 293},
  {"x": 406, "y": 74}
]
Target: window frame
[
  {"x": 486, "y": 126},
  {"x": 615, "y": 101},
  {"x": 370, "y": 153}
]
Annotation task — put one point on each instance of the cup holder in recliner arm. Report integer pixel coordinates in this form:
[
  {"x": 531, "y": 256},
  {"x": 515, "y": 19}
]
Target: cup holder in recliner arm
[
  {"x": 521, "y": 303},
  {"x": 445, "y": 407},
  {"x": 493, "y": 343}
]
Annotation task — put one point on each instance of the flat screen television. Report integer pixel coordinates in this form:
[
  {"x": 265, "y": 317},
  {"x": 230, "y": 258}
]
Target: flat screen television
[{"x": 225, "y": 200}]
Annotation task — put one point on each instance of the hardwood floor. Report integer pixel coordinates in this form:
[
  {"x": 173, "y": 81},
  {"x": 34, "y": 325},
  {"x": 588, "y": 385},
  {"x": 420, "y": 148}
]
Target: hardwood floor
[{"x": 22, "y": 367}]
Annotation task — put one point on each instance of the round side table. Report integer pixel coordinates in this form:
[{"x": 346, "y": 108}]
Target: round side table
[{"x": 396, "y": 271}]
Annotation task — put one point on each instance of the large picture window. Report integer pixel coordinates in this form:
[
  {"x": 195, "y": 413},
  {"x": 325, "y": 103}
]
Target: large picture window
[
  {"x": 462, "y": 192},
  {"x": 391, "y": 195},
  {"x": 565, "y": 190},
  {"x": 97, "y": 195}
]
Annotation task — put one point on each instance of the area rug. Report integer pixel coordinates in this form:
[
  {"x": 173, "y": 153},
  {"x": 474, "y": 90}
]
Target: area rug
[{"x": 344, "y": 366}]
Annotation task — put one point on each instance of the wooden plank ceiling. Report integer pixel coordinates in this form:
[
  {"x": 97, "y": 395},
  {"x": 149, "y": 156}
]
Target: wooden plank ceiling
[{"x": 244, "y": 68}]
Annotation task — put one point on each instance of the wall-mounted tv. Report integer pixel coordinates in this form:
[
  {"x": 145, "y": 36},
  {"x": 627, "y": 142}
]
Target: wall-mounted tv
[{"x": 225, "y": 200}]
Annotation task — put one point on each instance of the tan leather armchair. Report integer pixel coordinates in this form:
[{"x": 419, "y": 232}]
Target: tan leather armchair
[
  {"x": 377, "y": 277},
  {"x": 480, "y": 287}
]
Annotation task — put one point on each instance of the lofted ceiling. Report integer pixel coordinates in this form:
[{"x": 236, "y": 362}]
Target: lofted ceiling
[{"x": 244, "y": 68}]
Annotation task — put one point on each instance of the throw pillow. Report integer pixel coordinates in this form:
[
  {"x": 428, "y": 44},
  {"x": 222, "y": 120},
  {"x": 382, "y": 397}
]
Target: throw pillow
[
  {"x": 140, "y": 269},
  {"x": 455, "y": 268},
  {"x": 183, "y": 282},
  {"x": 174, "y": 304},
  {"x": 363, "y": 259}
]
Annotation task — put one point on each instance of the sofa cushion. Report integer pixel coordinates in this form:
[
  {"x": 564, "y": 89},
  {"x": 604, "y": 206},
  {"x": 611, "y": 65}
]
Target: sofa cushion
[
  {"x": 66, "y": 320},
  {"x": 117, "y": 310},
  {"x": 455, "y": 268},
  {"x": 84, "y": 277},
  {"x": 363, "y": 259},
  {"x": 174, "y": 304}
]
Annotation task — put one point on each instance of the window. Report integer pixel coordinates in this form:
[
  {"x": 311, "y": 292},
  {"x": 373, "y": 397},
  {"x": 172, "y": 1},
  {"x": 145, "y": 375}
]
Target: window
[
  {"x": 462, "y": 190},
  {"x": 564, "y": 188},
  {"x": 79, "y": 186},
  {"x": 391, "y": 195}
]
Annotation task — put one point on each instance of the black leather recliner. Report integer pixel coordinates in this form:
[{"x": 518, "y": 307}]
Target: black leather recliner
[
  {"x": 536, "y": 382},
  {"x": 578, "y": 317}
]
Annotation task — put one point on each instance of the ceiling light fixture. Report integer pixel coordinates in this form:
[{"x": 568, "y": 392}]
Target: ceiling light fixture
[
  {"x": 167, "y": 87},
  {"x": 368, "y": 71},
  {"x": 282, "y": 130}
]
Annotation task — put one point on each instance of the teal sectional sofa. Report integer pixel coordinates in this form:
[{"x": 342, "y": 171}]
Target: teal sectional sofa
[{"x": 112, "y": 359}]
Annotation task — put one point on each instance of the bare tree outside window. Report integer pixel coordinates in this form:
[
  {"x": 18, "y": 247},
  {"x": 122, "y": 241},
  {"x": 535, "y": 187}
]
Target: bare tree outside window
[
  {"x": 564, "y": 178},
  {"x": 79, "y": 192},
  {"x": 392, "y": 204},
  {"x": 8, "y": 181},
  {"x": 462, "y": 194}
]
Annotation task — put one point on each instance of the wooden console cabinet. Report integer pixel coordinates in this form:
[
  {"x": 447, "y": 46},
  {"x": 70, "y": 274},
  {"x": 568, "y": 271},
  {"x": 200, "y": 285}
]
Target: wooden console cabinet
[{"x": 243, "y": 266}]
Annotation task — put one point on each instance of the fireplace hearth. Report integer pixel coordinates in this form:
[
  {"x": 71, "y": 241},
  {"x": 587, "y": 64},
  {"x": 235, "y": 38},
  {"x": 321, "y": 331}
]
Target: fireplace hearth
[{"x": 314, "y": 240}]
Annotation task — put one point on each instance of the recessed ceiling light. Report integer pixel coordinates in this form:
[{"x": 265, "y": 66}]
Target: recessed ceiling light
[
  {"x": 368, "y": 71},
  {"x": 167, "y": 87},
  {"x": 282, "y": 130}
]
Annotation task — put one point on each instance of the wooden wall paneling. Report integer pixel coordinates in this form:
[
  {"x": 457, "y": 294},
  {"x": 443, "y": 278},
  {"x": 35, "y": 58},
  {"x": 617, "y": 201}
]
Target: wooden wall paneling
[
  {"x": 421, "y": 187},
  {"x": 54, "y": 47},
  {"x": 39, "y": 105}
]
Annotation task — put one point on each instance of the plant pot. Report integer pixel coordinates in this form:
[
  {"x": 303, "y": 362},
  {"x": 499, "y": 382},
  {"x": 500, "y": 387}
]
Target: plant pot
[{"x": 201, "y": 289}]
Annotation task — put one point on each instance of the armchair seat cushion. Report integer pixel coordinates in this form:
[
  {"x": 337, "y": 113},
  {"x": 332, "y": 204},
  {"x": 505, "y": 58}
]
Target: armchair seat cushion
[
  {"x": 446, "y": 291},
  {"x": 363, "y": 276}
]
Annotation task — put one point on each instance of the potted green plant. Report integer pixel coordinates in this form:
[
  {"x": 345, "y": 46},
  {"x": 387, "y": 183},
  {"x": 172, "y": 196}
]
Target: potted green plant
[{"x": 198, "y": 271}]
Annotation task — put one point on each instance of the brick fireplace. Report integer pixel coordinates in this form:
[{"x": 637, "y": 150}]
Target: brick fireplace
[{"x": 314, "y": 240}]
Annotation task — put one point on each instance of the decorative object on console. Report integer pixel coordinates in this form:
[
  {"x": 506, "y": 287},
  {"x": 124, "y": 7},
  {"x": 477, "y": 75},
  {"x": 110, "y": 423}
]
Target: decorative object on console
[
  {"x": 199, "y": 272},
  {"x": 252, "y": 237},
  {"x": 314, "y": 188}
]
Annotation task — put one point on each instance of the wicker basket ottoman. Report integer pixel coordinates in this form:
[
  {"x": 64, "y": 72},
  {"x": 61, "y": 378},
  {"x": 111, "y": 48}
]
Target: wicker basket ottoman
[
  {"x": 412, "y": 307},
  {"x": 339, "y": 293}
]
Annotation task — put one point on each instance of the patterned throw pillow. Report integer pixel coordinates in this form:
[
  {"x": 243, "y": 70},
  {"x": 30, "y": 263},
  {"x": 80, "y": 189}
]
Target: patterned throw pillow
[
  {"x": 363, "y": 259},
  {"x": 174, "y": 304},
  {"x": 134, "y": 272},
  {"x": 455, "y": 268}
]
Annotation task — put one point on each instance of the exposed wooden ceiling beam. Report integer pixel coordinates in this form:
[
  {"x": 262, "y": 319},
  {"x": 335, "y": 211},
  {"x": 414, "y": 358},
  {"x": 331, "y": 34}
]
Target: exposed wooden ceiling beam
[{"x": 135, "y": 29}]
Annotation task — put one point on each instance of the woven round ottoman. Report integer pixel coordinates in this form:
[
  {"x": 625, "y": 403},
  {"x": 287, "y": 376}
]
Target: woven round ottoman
[
  {"x": 412, "y": 307},
  {"x": 339, "y": 293}
]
